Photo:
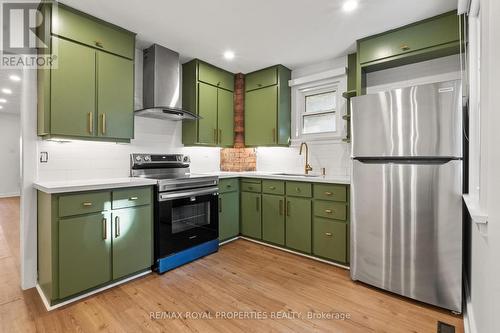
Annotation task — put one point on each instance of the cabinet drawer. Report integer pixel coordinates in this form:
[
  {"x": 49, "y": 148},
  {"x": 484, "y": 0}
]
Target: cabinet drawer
[
  {"x": 434, "y": 32},
  {"x": 329, "y": 209},
  {"x": 84, "y": 203},
  {"x": 251, "y": 187},
  {"x": 330, "y": 192},
  {"x": 298, "y": 189},
  {"x": 215, "y": 76},
  {"x": 273, "y": 186},
  {"x": 131, "y": 197},
  {"x": 228, "y": 185},
  {"x": 86, "y": 30},
  {"x": 330, "y": 239},
  {"x": 262, "y": 78}
]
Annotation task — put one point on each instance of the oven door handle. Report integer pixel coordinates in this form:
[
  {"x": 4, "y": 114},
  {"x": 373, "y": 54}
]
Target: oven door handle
[{"x": 187, "y": 194}]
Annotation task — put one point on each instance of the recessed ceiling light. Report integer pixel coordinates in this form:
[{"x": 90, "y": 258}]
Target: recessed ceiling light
[
  {"x": 1, "y": 107},
  {"x": 229, "y": 55},
  {"x": 15, "y": 78},
  {"x": 350, "y": 5},
  {"x": 3, "y": 100},
  {"x": 6, "y": 91}
]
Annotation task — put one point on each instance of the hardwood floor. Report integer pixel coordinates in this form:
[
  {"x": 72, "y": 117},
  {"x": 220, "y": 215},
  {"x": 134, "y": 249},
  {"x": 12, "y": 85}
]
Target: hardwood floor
[{"x": 243, "y": 278}]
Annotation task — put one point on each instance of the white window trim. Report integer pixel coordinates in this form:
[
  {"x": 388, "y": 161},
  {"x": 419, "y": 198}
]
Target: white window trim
[{"x": 312, "y": 84}]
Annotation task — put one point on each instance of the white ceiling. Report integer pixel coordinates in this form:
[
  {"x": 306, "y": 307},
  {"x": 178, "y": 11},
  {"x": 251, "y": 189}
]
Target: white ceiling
[
  {"x": 12, "y": 106},
  {"x": 261, "y": 32}
]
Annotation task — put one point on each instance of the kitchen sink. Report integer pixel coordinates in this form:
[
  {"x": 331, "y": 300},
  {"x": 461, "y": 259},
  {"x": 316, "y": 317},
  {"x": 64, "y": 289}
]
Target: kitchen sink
[{"x": 295, "y": 175}]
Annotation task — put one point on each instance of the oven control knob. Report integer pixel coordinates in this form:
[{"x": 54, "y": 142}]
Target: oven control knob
[
  {"x": 147, "y": 158},
  {"x": 138, "y": 158}
]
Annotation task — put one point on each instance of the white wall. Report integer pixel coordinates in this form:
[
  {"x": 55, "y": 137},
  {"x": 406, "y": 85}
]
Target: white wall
[{"x": 10, "y": 135}]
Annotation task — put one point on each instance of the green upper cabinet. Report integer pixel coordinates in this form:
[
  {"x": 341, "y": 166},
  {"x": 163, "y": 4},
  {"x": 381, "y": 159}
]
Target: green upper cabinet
[
  {"x": 82, "y": 28},
  {"x": 208, "y": 92},
  {"x": 115, "y": 96},
  {"x": 89, "y": 91},
  {"x": 424, "y": 40},
  {"x": 72, "y": 98},
  {"x": 267, "y": 107}
]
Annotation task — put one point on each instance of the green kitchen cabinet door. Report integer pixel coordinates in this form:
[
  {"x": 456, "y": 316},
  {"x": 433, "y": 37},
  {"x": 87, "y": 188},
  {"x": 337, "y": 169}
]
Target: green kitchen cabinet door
[
  {"x": 225, "y": 118},
  {"x": 261, "y": 107},
  {"x": 207, "y": 109},
  {"x": 132, "y": 240},
  {"x": 251, "y": 218},
  {"x": 73, "y": 86},
  {"x": 229, "y": 215},
  {"x": 273, "y": 219},
  {"x": 115, "y": 96},
  {"x": 298, "y": 224},
  {"x": 330, "y": 239},
  {"x": 84, "y": 253}
]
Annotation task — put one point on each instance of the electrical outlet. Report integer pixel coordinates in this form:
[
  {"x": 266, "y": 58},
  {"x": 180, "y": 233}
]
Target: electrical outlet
[{"x": 44, "y": 157}]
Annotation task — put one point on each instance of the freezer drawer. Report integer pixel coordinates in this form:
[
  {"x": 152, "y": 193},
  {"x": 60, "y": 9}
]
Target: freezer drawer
[
  {"x": 418, "y": 121},
  {"x": 406, "y": 229}
]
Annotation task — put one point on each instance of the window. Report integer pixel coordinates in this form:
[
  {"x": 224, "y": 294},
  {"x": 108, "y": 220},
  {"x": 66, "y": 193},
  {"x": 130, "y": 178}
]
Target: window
[
  {"x": 318, "y": 107},
  {"x": 319, "y": 113}
]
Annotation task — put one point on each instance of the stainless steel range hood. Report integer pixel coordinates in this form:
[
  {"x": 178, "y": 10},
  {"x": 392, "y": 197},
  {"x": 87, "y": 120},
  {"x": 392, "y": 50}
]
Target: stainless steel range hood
[{"x": 161, "y": 86}]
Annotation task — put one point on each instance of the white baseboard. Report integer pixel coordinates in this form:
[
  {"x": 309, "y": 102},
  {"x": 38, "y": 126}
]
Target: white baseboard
[
  {"x": 229, "y": 240},
  {"x": 294, "y": 252},
  {"x": 9, "y": 195},
  {"x": 53, "y": 307},
  {"x": 469, "y": 321}
]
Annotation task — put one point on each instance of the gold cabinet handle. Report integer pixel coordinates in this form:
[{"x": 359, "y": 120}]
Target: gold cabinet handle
[
  {"x": 328, "y": 193},
  {"x": 104, "y": 228},
  {"x": 257, "y": 201},
  {"x": 103, "y": 121},
  {"x": 98, "y": 43},
  {"x": 250, "y": 187},
  {"x": 117, "y": 227},
  {"x": 287, "y": 208},
  {"x": 220, "y": 205},
  {"x": 87, "y": 204},
  {"x": 297, "y": 189},
  {"x": 328, "y": 211},
  {"x": 259, "y": 84},
  {"x": 274, "y": 135},
  {"x": 91, "y": 122},
  {"x": 215, "y": 135},
  {"x": 281, "y": 208},
  {"x": 272, "y": 187},
  {"x": 228, "y": 186},
  {"x": 328, "y": 234},
  {"x": 133, "y": 198},
  {"x": 404, "y": 47},
  {"x": 220, "y": 135}
]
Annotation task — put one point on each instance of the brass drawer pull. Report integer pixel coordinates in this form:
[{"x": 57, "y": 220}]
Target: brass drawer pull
[
  {"x": 220, "y": 205},
  {"x": 281, "y": 208},
  {"x": 229, "y": 186},
  {"x": 328, "y": 211},
  {"x": 98, "y": 43},
  {"x": 133, "y": 198},
  {"x": 272, "y": 187},
  {"x": 87, "y": 204},
  {"x": 215, "y": 135},
  {"x": 404, "y": 47},
  {"x": 104, "y": 228},
  {"x": 329, "y": 234},
  {"x": 297, "y": 189},
  {"x": 274, "y": 135},
  {"x": 257, "y": 201},
  {"x": 328, "y": 193},
  {"x": 287, "y": 208},
  {"x": 220, "y": 135},
  {"x": 117, "y": 227},
  {"x": 250, "y": 187}
]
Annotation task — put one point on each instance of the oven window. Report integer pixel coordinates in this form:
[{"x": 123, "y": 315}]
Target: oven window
[{"x": 190, "y": 216}]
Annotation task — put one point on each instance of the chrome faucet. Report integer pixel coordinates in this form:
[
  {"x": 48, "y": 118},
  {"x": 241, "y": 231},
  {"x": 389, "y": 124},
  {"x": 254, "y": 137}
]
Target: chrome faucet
[{"x": 307, "y": 167}]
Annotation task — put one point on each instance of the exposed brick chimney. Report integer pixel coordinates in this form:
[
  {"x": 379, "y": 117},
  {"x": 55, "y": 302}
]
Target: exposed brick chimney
[{"x": 238, "y": 158}]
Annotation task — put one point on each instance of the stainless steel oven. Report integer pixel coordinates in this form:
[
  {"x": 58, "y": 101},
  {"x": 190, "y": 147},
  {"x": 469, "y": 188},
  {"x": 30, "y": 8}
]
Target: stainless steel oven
[{"x": 186, "y": 218}]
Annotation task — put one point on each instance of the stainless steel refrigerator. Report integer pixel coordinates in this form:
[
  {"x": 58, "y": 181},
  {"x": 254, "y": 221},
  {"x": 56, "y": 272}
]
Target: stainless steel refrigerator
[{"x": 406, "y": 226}]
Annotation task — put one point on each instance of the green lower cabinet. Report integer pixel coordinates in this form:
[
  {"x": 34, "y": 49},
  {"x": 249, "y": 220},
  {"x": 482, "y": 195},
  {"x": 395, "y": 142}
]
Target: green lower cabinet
[
  {"x": 273, "y": 219},
  {"x": 229, "y": 215},
  {"x": 251, "y": 220},
  {"x": 298, "y": 224},
  {"x": 84, "y": 253},
  {"x": 330, "y": 239},
  {"x": 132, "y": 233}
]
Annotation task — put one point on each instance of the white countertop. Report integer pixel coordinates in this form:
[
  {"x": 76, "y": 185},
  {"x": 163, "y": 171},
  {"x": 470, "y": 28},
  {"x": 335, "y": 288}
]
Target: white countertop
[
  {"x": 277, "y": 175},
  {"x": 90, "y": 184}
]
